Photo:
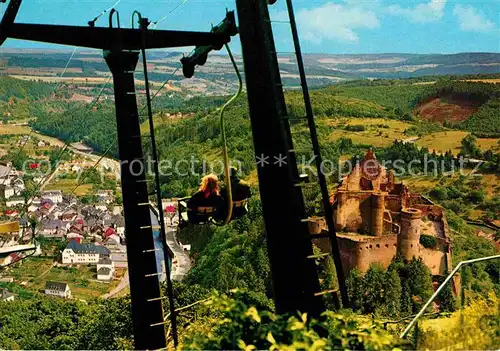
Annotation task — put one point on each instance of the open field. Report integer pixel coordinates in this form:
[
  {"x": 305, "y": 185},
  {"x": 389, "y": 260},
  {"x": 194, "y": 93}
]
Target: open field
[
  {"x": 25, "y": 130},
  {"x": 75, "y": 80},
  {"x": 84, "y": 80},
  {"x": 378, "y": 131},
  {"x": 443, "y": 141},
  {"x": 452, "y": 140},
  {"x": 12, "y": 129},
  {"x": 36, "y": 271},
  {"x": 490, "y": 80},
  {"x": 420, "y": 184},
  {"x": 43, "y": 71},
  {"x": 67, "y": 186},
  {"x": 489, "y": 144},
  {"x": 489, "y": 183}
]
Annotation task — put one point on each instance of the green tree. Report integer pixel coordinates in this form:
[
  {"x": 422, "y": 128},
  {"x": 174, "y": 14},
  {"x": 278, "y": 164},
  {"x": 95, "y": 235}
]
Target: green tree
[
  {"x": 392, "y": 293},
  {"x": 354, "y": 284},
  {"x": 469, "y": 146},
  {"x": 373, "y": 286},
  {"x": 447, "y": 301},
  {"x": 419, "y": 281}
]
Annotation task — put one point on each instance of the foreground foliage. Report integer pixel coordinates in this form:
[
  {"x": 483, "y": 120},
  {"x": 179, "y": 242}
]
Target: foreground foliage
[
  {"x": 477, "y": 327},
  {"x": 55, "y": 324},
  {"x": 240, "y": 326}
]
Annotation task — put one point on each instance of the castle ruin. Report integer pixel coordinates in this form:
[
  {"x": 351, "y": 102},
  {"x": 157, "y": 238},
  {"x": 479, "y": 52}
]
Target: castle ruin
[{"x": 377, "y": 218}]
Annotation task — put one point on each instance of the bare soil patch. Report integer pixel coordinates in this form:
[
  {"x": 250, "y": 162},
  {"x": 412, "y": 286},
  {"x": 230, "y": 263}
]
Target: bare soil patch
[{"x": 448, "y": 108}]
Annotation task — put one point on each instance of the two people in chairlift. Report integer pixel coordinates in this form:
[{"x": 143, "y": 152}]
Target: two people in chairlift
[{"x": 211, "y": 200}]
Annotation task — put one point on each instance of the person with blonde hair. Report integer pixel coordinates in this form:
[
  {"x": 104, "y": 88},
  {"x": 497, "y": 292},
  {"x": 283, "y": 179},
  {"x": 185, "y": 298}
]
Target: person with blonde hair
[{"x": 206, "y": 202}]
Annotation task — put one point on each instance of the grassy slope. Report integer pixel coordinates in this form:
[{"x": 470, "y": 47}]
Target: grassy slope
[{"x": 36, "y": 271}]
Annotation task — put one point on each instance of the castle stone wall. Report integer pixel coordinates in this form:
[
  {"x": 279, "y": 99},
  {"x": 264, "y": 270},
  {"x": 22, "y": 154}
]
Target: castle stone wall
[
  {"x": 360, "y": 253},
  {"x": 353, "y": 212},
  {"x": 435, "y": 260}
]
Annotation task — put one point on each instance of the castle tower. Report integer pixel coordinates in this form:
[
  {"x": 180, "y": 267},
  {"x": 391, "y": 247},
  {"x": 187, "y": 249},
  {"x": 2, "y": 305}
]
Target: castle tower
[
  {"x": 409, "y": 238},
  {"x": 377, "y": 219},
  {"x": 340, "y": 221}
]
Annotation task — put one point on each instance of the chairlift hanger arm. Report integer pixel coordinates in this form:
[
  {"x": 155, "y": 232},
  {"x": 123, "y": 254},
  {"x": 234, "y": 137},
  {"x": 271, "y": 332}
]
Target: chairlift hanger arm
[
  {"x": 200, "y": 54},
  {"x": 112, "y": 38}
]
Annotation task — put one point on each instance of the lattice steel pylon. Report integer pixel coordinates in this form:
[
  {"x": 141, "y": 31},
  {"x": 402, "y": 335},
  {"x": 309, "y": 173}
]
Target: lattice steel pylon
[
  {"x": 122, "y": 47},
  {"x": 293, "y": 267}
]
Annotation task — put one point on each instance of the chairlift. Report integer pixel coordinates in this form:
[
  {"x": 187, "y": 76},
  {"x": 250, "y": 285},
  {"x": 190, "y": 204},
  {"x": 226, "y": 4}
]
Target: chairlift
[
  {"x": 201, "y": 215},
  {"x": 213, "y": 214}
]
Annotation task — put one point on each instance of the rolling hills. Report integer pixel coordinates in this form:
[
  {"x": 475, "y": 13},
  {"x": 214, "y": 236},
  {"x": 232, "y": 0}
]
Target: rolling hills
[{"x": 217, "y": 77}]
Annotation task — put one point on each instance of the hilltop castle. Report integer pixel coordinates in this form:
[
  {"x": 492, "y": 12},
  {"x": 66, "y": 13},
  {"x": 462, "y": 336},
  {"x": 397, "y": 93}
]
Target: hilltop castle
[{"x": 377, "y": 218}]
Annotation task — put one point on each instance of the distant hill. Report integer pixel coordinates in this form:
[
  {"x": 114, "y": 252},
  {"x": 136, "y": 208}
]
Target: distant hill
[{"x": 217, "y": 75}]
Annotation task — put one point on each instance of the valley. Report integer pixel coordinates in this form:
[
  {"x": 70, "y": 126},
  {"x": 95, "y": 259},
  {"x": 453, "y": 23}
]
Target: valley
[{"x": 396, "y": 119}]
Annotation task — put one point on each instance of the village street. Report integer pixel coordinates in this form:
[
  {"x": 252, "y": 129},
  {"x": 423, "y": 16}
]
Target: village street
[{"x": 124, "y": 283}]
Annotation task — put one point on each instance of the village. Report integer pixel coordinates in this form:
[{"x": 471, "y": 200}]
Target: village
[{"x": 75, "y": 244}]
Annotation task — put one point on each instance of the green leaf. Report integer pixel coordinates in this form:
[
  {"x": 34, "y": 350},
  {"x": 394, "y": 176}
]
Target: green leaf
[
  {"x": 254, "y": 314},
  {"x": 271, "y": 338}
]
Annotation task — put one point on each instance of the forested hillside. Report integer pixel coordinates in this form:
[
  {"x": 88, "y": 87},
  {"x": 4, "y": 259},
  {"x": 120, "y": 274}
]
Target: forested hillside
[
  {"x": 17, "y": 97},
  {"x": 19, "y": 89},
  {"x": 195, "y": 133},
  {"x": 76, "y": 121},
  {"x": 235, "y": 256}
]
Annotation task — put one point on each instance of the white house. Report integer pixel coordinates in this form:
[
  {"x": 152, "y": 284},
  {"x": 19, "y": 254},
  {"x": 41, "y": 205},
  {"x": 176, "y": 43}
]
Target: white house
[
  {"x": 106, "y": 196},
  {"x": 18, "y": 185},
  {"x": 105, "y": 269},
  {"x": 76, "y": 253},
  {"x": 53, "y": 227},
  {"x": 6, "y": 191},
  {"x": 119, "y": 222},
  {"x": 32, "y": 208},
  {"x": 6, "y": 295},
  {"x": 104, "y": 274},
  {"x": 14, "y": 202},
  {"x": 38, "y": 180},
  {"x": 106, "y": 262},
  {"x": 102, "y": 207},
  {"x": 54, "y": 195},
  {"x": 113, "y": 239},
  {"x": 57, "y": 289},
  {"x": 5, "y": 168}
]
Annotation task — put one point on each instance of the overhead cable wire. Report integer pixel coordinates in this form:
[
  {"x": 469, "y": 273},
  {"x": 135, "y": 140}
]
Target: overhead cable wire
[
  {"x": 63, "y": 149},
  {"x": 18, "y": 154},
  {"x": 155, "y": 23},
  {"x": 53, "y": 94},
  {"x": 92, "y": 23},
  {"x": 64, "y": 70},
  {"x": 80, "y": 182}
]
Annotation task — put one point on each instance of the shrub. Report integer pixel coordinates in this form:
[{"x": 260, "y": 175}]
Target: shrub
[
  {"x": 476, "y": 196},
  {"x": 392, "y": 291},
  {"x": 244, "y": 327},
  {"x": 439, "y": 193},
  {"x": 428, "y": 241},
  {"x": 475, "y": 329},
  {"x": 355, "y": 128}
]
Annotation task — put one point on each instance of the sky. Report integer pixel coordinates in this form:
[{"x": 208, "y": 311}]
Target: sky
[{"x": 325, "y": 26}]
